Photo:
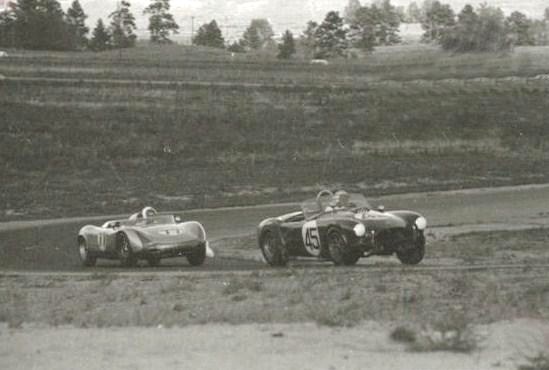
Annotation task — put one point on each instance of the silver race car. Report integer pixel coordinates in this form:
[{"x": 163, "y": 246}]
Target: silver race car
[{"x": 144, "y": 235}]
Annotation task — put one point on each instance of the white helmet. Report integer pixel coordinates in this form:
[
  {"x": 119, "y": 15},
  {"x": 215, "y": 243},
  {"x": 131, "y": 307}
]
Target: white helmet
[{"x": 148, "y": 211}]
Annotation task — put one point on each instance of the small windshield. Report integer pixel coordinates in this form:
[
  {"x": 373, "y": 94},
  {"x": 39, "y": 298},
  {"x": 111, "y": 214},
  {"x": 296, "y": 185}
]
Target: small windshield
[
  {"x": 312, "y": 207},
  {"x": 157, "y": 220}
]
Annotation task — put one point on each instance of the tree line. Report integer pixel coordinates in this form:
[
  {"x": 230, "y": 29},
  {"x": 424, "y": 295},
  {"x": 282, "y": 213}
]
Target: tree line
[
  {"x": 42, "y": 24},
  {"x": 364, "y": 27},
  {"x": 485, "y": 28}
]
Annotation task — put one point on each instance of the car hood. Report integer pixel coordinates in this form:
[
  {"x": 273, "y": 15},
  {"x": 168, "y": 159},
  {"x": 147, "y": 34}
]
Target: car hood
[{"x": 374, "y": 219}]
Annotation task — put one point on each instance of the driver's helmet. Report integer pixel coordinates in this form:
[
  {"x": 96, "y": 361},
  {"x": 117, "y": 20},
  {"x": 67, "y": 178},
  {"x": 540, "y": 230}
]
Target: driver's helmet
[
  {"x": 148, "y": 212},
  {"x": 341, "y": 199}
]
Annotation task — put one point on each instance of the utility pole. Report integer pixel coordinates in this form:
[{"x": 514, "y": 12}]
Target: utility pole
[
  {"x": 118, "y": 7},
  {"x": 192, "y": 29}
]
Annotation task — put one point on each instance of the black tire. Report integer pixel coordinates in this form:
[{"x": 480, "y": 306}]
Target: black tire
[
  {"x": 341, "y": 253},
  {"x": 85, "y": 257},
  {"x": 153, "y": 261},
  {"x": 411, "y": 253},
  {"x": 198, "y": 256},
  {"x": 124, "y": 250},
  {"x": 273, "y": 251}
]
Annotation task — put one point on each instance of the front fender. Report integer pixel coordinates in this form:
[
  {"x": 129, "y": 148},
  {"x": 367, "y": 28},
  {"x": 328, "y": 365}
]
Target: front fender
[
  {"x": 346, "y": 228},
  {"x": 266, "y": 224},
  {"x": 270, "y": 224},
  {"x": 408, "y": 216},
  {"x": 194, "y": 229}
]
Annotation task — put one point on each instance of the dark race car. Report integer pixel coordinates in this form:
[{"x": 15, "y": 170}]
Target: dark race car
[
  {"x": 342, "y": 227},
  {"x": 145, "y": 235}
]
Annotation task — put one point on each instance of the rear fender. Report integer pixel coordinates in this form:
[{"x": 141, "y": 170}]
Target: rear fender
[
  {"x": 89, "y": 234},
  {"x": 82, "y": 237}
]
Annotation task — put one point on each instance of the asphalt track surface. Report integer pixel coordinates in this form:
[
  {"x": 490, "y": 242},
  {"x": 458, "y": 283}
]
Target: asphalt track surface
[{"x": 449, "y": 213}]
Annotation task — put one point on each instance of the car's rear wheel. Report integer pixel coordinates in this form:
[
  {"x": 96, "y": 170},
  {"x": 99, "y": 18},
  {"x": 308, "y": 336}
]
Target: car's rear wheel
[
  {"x": 153, "y": 261},
  {"x": 87, "y": 259},
  {"x": 125, "y": 253},
  {"x": 198, "y": 256},
  {"x": 273, "y": 251},
  {"x": 340, "y": 251},
  {"x": 410, "y": 253}
]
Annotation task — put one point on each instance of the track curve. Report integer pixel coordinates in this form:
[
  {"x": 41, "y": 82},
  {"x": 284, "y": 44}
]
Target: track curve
[{"x": 48, "y": 246}]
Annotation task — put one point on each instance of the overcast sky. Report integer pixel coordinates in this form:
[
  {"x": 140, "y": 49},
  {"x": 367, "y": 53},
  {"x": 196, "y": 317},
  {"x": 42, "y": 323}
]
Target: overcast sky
[{"x": 234, "y": 15}]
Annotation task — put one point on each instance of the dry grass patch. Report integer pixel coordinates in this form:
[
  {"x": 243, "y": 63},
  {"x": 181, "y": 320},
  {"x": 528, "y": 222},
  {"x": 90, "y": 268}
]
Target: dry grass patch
[
  {"x": 453, "y": 334},
  {"x": 404, "y": 334},
  {"x": 539, "y": 362}
]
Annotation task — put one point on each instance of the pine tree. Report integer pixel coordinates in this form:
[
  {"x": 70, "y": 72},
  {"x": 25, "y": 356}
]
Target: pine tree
[
  {"x": 237, "y": 47},
  {"x": 209, "y": 34},
  {"x": 463, "y": 36},
  {"x": 7, "y": 29},
  {"x": 436, "y": 17},
  {"x": 100, "y": 37},
  {"x": 122, "y": 27},
  {"x": 483, "y": 31},
  {"x": 491, "y": 32},
  {"x": 544, "y": 34},
  {"x": 287, "y": 48},
  {"x": 331, "y": 37},
  {"x": 161, "y": 21},
  {"x": 362, "y": 33},
  {"x": 40, "y": 24},
  {"x": 518, "y": 26},
  {"x": 258, "y": 34},
  {"x": 389, "y": 24},
  {"x": 76, "y": 19},
  {"x": 308, "y": 38}
]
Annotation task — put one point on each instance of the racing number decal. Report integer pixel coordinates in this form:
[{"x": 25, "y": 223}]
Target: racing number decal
[
  {"x": 311, "y": 238},
  {"x": 101, "y": 241}
]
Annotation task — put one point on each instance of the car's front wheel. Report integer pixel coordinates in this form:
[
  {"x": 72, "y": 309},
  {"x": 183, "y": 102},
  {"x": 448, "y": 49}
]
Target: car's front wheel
[
  {"x": 411, "y": 253},
  {"x": 273, "y": 251},
  {"x": 125, "y": 253},
  {"x": 198, "y": 256},
  {"x": 340, "y": 252},
  {"x": 87, "y": 259}
]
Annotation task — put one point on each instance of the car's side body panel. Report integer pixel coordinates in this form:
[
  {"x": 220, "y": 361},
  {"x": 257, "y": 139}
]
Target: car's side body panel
[
  {"x": 99, "y": 240},
  {"x": 145, "y": 238}
]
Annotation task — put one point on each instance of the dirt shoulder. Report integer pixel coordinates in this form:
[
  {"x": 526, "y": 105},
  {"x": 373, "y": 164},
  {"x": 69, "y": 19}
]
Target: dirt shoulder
[{"x": 505, "y": 345}]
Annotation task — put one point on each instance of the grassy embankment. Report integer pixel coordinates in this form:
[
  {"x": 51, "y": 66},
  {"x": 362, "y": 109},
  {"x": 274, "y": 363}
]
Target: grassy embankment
[{"x": 96, "y": 147}]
